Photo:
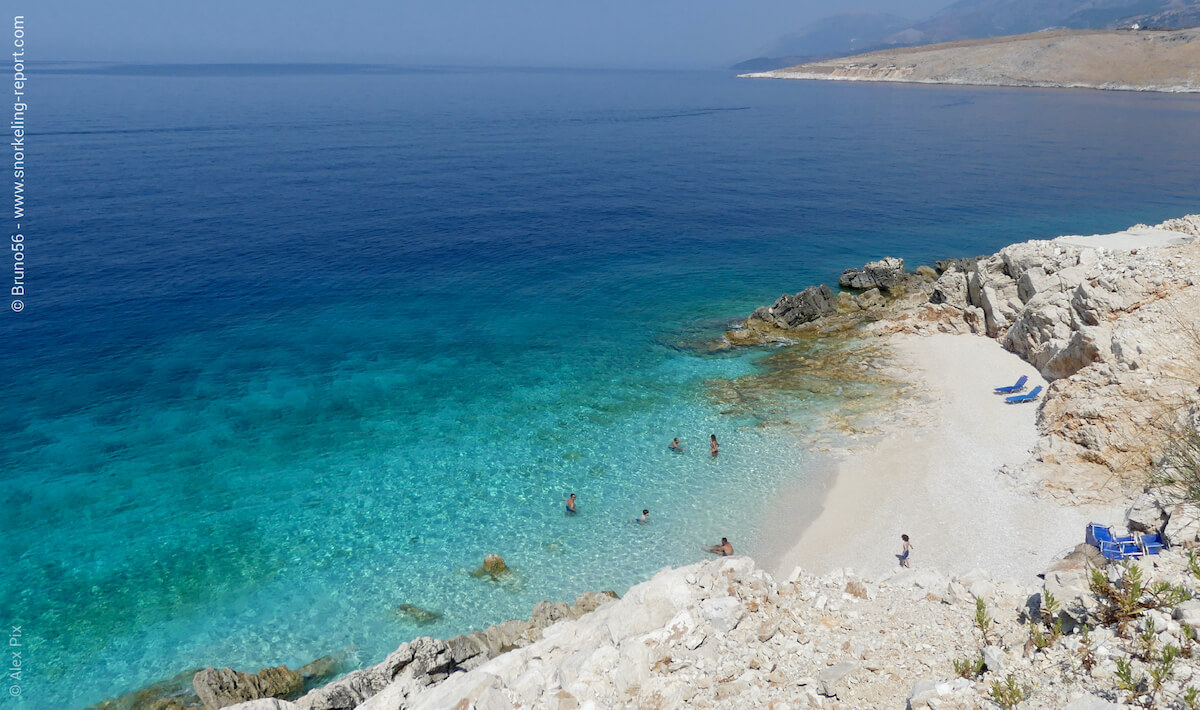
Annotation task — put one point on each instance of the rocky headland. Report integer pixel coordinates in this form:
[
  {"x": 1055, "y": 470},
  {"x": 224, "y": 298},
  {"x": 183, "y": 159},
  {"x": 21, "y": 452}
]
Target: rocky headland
[
  {"x": 1110, "y": 323},
  {"x": 1127, "y": 60},
  {"x": 996, "y": 496}
]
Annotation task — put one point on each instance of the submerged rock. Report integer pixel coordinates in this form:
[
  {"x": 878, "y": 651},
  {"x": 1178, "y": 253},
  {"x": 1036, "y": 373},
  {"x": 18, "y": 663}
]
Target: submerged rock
[
  {"x": 175, "y": 693},
  {"x": 493, "y": 566},
  {"x": 418, "y": 614}
]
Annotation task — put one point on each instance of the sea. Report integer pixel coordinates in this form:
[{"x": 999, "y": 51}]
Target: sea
[{"x": 302, "y": 343}]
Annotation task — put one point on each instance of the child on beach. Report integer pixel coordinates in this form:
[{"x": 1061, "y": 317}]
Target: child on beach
[
  {"x": 907, "y": 551},
  {"x": 570, "y": 501}
]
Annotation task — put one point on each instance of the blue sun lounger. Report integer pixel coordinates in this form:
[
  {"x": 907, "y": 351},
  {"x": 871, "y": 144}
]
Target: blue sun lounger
[
  {"x": 1020, "y": 385},
  {"x": 1111, "y": 546},
  {"x": 1152, "y": 544},
  {"x": 1027, "y": 397}
]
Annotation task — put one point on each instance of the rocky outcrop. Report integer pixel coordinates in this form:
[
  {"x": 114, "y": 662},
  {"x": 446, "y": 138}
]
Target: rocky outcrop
[
  {"x": 218, "y": 688},
  {"x": 725, "y": 634},
  {"x": 790, "y": 311},
  {"x": 1147, "y": 514},
  {"x": 1105, "y": 325},
  {"x": 424, "y": 662},
  {"x": 884, "y": 274}
]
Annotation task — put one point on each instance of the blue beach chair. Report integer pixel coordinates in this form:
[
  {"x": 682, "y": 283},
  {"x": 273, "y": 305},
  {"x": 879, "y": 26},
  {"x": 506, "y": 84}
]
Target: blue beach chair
[
  {"x": 1020, "y": 385},
  {"x": 1111, "y": 546},
  {"x": 1027, "y": 397},
  {"x": 1152, "y": 544}
]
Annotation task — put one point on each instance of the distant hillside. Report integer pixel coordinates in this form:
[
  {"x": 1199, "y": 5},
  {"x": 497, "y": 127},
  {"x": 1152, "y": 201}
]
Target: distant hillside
[
  {"x": 1096, "y": 59},
  {"x": 970, "y": 19},
  {"x": 835, "y": 36}
]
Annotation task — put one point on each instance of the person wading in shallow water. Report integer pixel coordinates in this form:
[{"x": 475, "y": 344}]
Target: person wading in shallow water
[
  {"x": 724, "y": 549},
  {"x": 712, "y": 447},
  {"x": 570, "y": 501},
  {"x": 643, "y": 518}
]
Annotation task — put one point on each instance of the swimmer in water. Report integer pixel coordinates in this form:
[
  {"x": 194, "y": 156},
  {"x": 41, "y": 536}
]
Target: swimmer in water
[
  {"x": 724, "y": 549},
  {"x": 570, "y": 501},
  {"x": 713, "y": 446},
  {"x": 643, "y": 518},
  {"x": 676, "y": 446}
]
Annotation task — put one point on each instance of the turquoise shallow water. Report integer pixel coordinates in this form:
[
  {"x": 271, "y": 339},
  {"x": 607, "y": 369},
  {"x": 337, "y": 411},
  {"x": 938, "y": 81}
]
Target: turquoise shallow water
[{"x": 294, "y": 360}]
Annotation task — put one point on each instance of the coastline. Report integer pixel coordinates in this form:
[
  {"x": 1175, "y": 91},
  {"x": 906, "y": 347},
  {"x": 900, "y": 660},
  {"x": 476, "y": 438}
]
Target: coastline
[
  {"x": 1114, "y": 60},
  {"x": 784, "y": 75},
  {"x": 933, "y": 475},
  {"x": 947, "y": 461}
]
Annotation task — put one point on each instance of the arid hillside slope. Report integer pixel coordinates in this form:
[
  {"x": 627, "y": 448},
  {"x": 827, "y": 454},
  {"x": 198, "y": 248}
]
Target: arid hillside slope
[{"x": 1095, "y": 59}]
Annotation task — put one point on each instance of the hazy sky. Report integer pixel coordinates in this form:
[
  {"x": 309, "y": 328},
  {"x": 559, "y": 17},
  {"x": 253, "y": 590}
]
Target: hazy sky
[{"x": 667, "y": 33}]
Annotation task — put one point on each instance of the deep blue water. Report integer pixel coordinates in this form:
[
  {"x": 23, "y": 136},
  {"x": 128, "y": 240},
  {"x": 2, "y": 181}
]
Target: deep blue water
[{"x": 303, "y": 346}]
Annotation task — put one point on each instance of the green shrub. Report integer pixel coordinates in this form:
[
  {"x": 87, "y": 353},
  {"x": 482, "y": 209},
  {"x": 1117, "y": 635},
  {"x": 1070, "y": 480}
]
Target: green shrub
[{"x": 1008, "y": 694}]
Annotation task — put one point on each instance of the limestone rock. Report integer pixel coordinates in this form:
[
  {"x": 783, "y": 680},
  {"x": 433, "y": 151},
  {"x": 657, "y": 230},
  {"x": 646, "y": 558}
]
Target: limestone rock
[
  {"x": 723, "y": 613},
  {"x": 1183, "y": 526},
  {"x": 547, "y": 613},
  {"x": 493, "y": 566},
  {"x": 1188, "y": 612},
  {"x": 951, "y": 288},
  {"x": 264, "y": 704},
  {"x": 922, "y": 692},
  {"x": 883, "y": 274},
  {"x": 804, "y": 307},
  {"x": 1091, "y": 702},
  {"x": 224, "y": 687},
  {"x": 995, "y": 660},
  {"x": 1146, "y": 514},
  {"x": 830, "y": 679},
  {"x": 846, "y": 302},
  {"x": 590, "y": 601}
]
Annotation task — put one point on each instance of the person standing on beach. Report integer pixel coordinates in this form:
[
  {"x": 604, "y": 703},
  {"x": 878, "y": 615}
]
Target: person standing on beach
[
  {"x": 570, "y": 501},
  {"x": 713, "y": 446},
  {"x": 907, "y": 551}
]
